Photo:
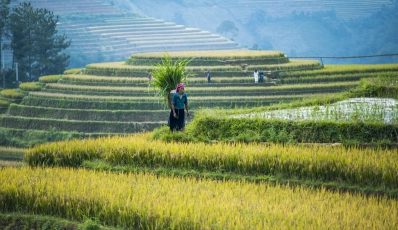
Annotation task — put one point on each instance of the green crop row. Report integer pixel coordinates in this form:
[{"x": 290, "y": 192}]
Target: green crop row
[
  {"x": 195, "y": 92},
  {"x": 50, "y": 79},
  {"x": 73, "y": 71},
  {"x": 4, "y": 103},
  {"x": 152, "y": 99},
  {"x": 144, "y": 73},
  {"x": 99, "y": 93},
  {"x": 131, "y": 105},
  {"x": 78, "y": 126},
  {"x": 25, "y": 138},
  {"x": 12, "y": 94},
  {"x": 207, "y": 91},
  {"x": 213, "y": 55},
  {"x": 104, "y": 79},
  {"x": 88, "y": 115},
  {"x": 121, "y": 69},
  {"x": 201, "y": 80},
  {"x": 212, "y": 62},
  {"x": 382, "y": 86},
  {"x": 141, "y": 83},
  {"x": 291, "y": 66},
  {"x": 122, "y": 66},
  {"x": 30, "y": 86},
  {"x": 328, "y": 78},
  {"x": 342, "y": 69},
  {"x": 209, "y": 127}
]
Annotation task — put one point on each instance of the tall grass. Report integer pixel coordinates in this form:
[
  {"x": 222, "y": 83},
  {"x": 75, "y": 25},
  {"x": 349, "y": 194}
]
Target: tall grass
[{"x": 371, "y": 167}]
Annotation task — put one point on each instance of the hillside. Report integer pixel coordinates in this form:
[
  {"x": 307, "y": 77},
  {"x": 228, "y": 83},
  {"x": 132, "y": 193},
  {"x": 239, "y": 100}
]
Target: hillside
[
  {"x": 298, "y": 27},
  {"x": 104, "y": 31}
]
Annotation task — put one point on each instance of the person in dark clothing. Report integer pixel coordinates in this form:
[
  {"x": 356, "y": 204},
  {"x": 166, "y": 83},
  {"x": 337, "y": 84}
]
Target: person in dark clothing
[
  {"x": 208, "y": 76},
  {"x": 261, "y": 76},
  {"x": 178, "y": 102}
]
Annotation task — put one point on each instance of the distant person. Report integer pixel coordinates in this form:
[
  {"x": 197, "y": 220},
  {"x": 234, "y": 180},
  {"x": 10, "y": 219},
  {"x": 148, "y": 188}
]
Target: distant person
[
  {"x": 255, "y": 76},
  {"x": 208, "y": 76},
  {"x": 150, "y": 77},
  {"x": 178, "y": 102},
  {"x": 261, "y": 76}
]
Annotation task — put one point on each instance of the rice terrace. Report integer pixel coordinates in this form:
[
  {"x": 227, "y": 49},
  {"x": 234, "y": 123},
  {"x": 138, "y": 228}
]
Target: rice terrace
[{"x": 311, "y": 147}]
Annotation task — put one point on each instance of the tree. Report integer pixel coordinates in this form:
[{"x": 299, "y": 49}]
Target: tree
[
  {"x": 35, "y": 43},
  {"x": 226, "y": 27},
  {"x": 4, "y": 14}
]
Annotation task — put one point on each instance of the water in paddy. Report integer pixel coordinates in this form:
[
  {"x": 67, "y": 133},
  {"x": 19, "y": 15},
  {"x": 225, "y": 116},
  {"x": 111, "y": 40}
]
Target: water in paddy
[{"x": 354, "y": 109}]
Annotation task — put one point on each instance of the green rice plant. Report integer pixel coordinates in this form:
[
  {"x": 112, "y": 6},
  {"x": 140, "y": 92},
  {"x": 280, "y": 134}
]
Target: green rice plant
[
  {"x": 167, "y": 75},
  {"x": 11, "y": 152},
  {"x": 104, "y": 79},
  {"x": 4, "y": 103},
  {"x": 343, "y": 69},
  {"x": 385, "y": 85},
  {"x": 207, "y": 98},
  {"x": 78, "y": 126},
  {"x": 12, "y": 94},
  {"x": 50, "y": 79},
  {"x": 292, "y": 65},
  {"x": 30, "y": 86},
  {"x": 218, "y": 54},
  {"x": 73, "y": 71},
  {"x": 88, "y": 114},
  {"x": 144, "y": 201}
]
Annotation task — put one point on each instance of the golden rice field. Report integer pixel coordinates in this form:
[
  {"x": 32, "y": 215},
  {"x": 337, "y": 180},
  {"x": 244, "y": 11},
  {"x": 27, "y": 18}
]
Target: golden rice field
[
  {"x": 154, "y": 202},
  {"x": 374, "y": 167}
]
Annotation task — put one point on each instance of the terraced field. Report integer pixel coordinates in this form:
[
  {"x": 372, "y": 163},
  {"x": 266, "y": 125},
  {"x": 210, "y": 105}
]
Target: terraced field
[
  {"x": 227, "y": 173},
  {"x": 115, "y": 98}
]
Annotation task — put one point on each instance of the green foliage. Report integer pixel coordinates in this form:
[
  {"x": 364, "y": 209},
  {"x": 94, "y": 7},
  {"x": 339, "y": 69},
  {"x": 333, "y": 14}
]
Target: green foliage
[
  {"x": 24, "y": 221},
  {"x": 12, "y": 94},
  {"x": 37, "y": 47},
  {"x": 76, "y": 126},
  {"x": 88, "y": 114},
  {"x": 3, "y": 103},
  {"x": 30, "y": 86},
  {"x": 4, "y": 15},
  {"x": 91, "y": 225},
  {"x": 30, "y": 221},
  {"x": 168, "y": 74},
  {"x": 74, "y": 71},
  {"x": 50, "y": 79},
  {"x": 208, "y": 128}
]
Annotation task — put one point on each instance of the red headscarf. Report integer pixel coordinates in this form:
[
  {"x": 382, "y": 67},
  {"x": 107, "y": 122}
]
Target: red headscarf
[{"x": 179, "y": 86}]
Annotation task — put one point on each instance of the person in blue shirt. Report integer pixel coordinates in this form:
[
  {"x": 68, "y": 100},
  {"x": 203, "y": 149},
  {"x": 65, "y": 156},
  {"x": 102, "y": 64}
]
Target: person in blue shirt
[{"x": 177, "y": 114}]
